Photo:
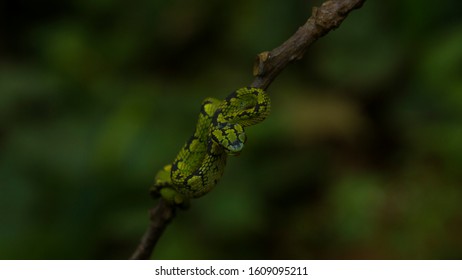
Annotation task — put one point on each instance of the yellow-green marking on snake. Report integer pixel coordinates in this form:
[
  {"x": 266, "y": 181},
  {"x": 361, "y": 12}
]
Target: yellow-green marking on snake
[{"x": 219, "y": 132}]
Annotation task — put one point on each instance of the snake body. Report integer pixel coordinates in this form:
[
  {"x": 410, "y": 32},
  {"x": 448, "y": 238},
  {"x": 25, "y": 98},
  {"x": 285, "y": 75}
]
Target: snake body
[{"x": 219, "y": 132}]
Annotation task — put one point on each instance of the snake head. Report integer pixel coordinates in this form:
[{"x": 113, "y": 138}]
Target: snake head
[{"x": 231, "y": 137}]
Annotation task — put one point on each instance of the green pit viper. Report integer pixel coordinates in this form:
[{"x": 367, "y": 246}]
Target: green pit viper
[{"x": 219, "y": 132}]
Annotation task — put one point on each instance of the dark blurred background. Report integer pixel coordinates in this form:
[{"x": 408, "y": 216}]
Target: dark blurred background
[{"x": 361, "y": 157}]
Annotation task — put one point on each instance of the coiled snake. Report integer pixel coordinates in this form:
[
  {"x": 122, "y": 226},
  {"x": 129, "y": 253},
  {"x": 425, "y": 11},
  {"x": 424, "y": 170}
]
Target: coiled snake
[{"x": 219, "y": 133}]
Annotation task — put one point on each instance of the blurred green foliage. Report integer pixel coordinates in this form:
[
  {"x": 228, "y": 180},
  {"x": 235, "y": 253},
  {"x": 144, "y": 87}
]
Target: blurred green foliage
[{"x": 361, "y": 157}]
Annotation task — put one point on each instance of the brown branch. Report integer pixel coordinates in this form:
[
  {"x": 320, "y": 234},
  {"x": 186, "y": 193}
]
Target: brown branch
[
  {"x": 160, "y": 217},
  {"x": 267, "y": 67},
  {"x": 329, "y": 16}
]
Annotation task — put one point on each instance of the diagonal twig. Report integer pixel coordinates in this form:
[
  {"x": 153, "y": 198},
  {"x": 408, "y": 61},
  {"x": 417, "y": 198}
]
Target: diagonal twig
[
  {"x": 160, "y": 216},
  {"x": 329, "y": 16}
]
